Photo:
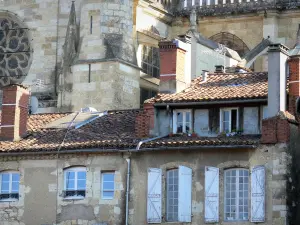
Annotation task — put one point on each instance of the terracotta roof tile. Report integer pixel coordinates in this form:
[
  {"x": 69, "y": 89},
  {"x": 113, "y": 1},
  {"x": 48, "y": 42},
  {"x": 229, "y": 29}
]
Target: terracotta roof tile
[
  {"x": 114, "y": 131},
  {"x": 220, "y": 86},
  {"x": 183, "y": 140}
]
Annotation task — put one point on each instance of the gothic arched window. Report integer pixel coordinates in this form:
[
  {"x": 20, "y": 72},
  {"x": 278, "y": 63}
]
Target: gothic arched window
[
  {"x": 231, "y": 41},
  {"x": 150, "y": 61},
  {"x": 15, "y": 52}
]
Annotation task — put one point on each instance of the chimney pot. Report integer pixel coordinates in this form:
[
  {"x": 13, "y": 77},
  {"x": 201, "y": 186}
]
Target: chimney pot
[
  {"x": 219, "y": 69},
  {"x": 204, "y": 75}
]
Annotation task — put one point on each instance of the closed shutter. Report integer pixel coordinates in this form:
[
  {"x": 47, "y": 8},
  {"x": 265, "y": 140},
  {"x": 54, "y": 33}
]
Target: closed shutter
[
  {"x": 154, "y": 196},
  {"x": 258, "y": 194},
  {"x": 185, "y": 194},
  {"x": 201, "y": 122},
  {"x": 251, "y": 120},
  {"x": 211, "y": 194}
]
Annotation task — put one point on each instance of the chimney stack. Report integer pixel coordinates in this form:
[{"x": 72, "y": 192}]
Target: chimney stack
[
  {"x": 219, "y": 69},
  {"x": 277, "y": 58},
  {"x": 172, "y": 65},
  {"x": 14, "y": 112}
]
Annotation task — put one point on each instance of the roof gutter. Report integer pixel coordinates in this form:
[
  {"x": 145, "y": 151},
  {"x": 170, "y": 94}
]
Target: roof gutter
[
  {"x": 99, "y": 150},
  {"x": 148, "y": 140},
  {"x": 261, "y": 100}
]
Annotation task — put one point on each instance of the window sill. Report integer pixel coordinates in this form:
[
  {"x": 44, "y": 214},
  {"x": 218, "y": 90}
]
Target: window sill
[
  {"x": 73, "y": 198},
  {"x": 9, "y": 200},
  {"x": 107, "y": 199}
]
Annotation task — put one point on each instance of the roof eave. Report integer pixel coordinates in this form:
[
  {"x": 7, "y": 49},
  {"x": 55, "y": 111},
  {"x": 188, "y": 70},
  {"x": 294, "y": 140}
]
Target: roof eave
[
  {"x": 212, "y": 102},
  {"x": 100, "y": 150}
]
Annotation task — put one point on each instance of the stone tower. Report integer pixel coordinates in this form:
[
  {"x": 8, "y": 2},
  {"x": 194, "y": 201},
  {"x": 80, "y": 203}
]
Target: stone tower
[{"x": 99, "y": 67}]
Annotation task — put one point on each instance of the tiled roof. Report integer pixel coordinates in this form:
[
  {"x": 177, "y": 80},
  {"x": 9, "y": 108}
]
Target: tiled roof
[
  {"x": 180, "y": 140},
  {"x": 114, "y": 131},
  {"x": 220, "y": 87}
]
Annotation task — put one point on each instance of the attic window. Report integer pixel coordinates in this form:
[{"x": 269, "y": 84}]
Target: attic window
[
  {"x": 229, "y": 120},
  {"x": 182, "y": 121}
]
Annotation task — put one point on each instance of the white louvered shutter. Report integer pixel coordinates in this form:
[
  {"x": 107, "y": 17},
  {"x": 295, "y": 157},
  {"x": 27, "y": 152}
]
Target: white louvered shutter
[
  {"x": 185, "y": 194},
  {"x": 211, "y": 194},
  {"x": 258, "y": 194},
  {"x": 154, "y": 196}
]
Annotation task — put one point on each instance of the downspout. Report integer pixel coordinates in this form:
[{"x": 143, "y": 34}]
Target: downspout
[
  {"x": 127, "y": 190},
  {"x": 128, "y": 175}
]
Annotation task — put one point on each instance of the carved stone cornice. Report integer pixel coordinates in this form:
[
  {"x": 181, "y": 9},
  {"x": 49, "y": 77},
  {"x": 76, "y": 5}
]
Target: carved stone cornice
[{"x": 239, "y": 8}]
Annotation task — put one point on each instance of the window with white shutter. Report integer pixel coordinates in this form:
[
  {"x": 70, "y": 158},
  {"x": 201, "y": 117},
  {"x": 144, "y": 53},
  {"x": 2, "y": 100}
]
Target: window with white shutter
[
  {"x": 236, "y": 194},
  {"x": 179, "y": 195},
  {"x": 154, "y": 195},
  {"x": 211, "y": 194},
  {"x": 185, "y": 194},
  {"x": 172, "y": 195},
  {"x": 258, "y": 194}
]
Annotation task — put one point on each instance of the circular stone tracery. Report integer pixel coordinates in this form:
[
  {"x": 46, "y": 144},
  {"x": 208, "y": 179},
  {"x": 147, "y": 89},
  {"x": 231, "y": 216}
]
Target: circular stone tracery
[{"x": 15, "y": 52}]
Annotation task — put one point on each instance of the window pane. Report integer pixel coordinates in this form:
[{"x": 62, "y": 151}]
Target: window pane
[
  {"x": 15, "y": 187},
  {"x": 70, "y": 184},
  {"x": 81, "y": 185},
  {"x": 5, "y": 177},
  {"x": 187, "y": 117},
  {"x": 16, "y": 177},
  {"x": 70, "y": 175},
  {"x": 187, "y": 127},
  {"x": 108, "y": 194},
  {"x": 226, "y": 126},
  {"x": 233, "y": 119},
  {"x": 225, "y": 115},
  {"x": 81, "y": 175},
  {"x": 108, "y": 177},
  {"x": 5, "y": 187},
  {"x": 108, "y": 185},
  {"x": 172, "y": 195},
  {"x": 179, "y": 117}
]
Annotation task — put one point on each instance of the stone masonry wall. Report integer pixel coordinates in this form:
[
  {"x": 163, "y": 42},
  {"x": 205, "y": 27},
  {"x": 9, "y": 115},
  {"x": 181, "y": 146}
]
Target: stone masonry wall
[{"x": 273, "y": 157}]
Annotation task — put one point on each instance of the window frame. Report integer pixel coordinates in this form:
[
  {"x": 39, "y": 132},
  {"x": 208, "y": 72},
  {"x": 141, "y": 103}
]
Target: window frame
[
  {"x": 183, "y": 111},
  {"x": 10, "y": 173},
  {"x": 237, "y": 197},
  {"x": 230, "y": 122},
  {"x": 107, "y": 190},
  {"x": 75, "y": 170},
  {"x": 145, "y": 52},
  {"x": 167, "y": 194}
]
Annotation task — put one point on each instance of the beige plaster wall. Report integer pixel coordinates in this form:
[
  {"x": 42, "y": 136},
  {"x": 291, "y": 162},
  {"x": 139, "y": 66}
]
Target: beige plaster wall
[{"x": 40, "y": 203}]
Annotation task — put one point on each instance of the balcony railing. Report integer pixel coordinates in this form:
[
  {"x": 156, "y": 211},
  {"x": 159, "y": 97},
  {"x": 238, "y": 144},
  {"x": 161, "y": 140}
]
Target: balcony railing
[{"x": 227, "y": 7}]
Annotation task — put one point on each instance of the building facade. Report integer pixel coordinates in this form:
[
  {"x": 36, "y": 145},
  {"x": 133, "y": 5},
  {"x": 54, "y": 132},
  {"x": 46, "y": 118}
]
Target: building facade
[
  {"x": 222, "y": 151},
  {"x": 68, "y": 53}
]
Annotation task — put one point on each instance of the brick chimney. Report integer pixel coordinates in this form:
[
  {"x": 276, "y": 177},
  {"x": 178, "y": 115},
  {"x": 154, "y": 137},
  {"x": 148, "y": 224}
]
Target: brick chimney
[
  {"x": 14, "y": 112},
  {"x": 144, "y": 122},
  {"x": 294, "y": 79},
  {"x": 172, "y": 65}
]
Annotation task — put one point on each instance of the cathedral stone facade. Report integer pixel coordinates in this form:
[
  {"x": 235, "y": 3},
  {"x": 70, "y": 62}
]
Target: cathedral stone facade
[{"x": 104, "y": 54}]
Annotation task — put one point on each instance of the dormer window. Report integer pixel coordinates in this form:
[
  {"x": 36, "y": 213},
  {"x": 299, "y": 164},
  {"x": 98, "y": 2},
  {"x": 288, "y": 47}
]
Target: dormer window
[
  {"x": 229, "y": 120},
  {"x": 182, "y": 121}
]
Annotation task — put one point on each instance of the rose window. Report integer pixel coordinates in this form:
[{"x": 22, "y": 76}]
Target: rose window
[{"x": 15, "y": 52}]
